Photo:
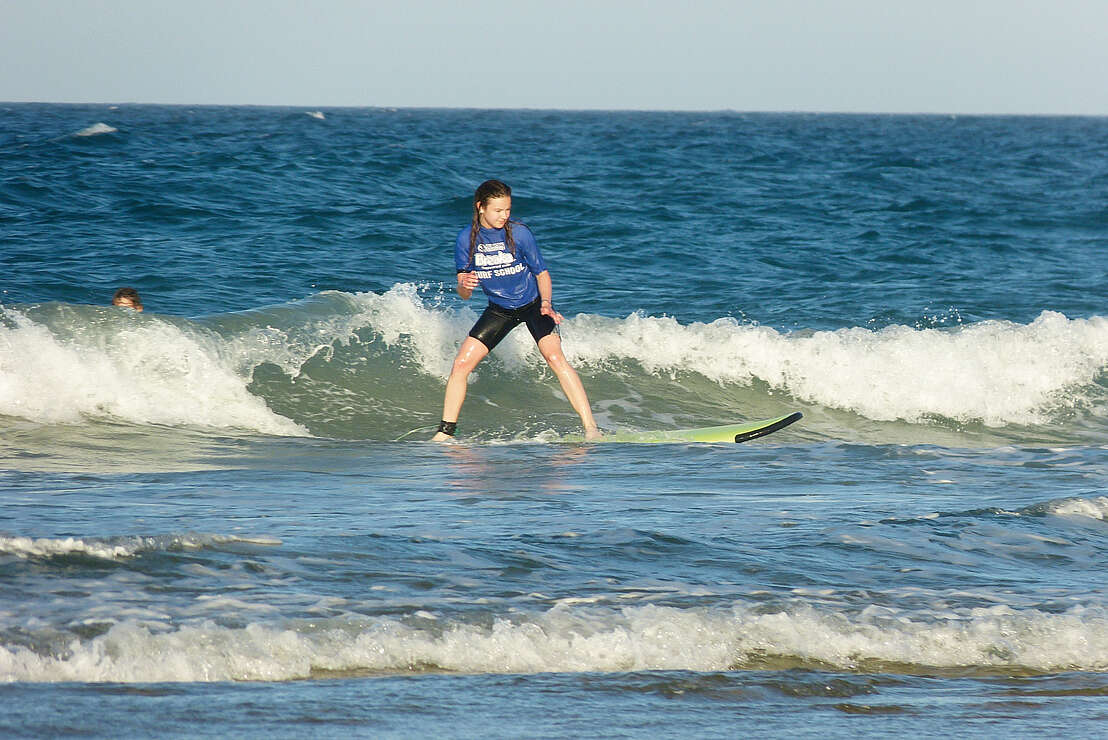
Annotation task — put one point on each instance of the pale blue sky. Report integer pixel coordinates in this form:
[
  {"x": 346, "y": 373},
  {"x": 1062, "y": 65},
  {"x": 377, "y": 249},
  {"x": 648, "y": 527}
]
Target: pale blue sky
[{"x": 938, "y": 56}]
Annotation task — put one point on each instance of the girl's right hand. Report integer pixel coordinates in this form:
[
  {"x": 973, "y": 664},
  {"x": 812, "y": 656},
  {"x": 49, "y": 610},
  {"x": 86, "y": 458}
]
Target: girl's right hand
[{"x": 468, "y": 280}]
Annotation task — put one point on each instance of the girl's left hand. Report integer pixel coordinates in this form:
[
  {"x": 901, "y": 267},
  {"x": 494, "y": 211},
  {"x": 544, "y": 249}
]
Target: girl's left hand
[{"x": 547, "y": 309}]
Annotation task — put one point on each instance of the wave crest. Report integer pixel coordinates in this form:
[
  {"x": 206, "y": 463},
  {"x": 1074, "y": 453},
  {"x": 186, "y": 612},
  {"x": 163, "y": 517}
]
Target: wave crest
[
  {"x": 96, "y": 129},
  {"x": 371, "y": 365},
  {"x": 987, "y": 641},
  {"x": 117, "y": 548},
  {"x": 71, "y": 363}
]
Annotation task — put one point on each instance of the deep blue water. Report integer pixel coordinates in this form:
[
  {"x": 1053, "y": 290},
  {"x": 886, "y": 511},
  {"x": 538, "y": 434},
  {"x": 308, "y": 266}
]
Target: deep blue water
[{"x": 219, "y": 516}]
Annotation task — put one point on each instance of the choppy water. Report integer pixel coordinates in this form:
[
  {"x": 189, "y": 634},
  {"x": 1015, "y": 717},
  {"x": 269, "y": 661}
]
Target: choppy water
[{"x": 218, "y": 517}]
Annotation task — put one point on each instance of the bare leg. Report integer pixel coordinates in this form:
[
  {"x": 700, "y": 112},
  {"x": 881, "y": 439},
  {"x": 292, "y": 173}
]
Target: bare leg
[
  {"x": 551, "y": 348},
  {"x": 470, "y": 353}
]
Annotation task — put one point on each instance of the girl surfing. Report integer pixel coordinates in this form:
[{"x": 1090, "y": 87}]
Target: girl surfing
[{"x": 502, "y": 257}]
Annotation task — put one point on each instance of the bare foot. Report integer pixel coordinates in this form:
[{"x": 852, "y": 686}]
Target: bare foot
[
  {"x": 592, "y": 435},
  {"x": 441, "y": 437}
]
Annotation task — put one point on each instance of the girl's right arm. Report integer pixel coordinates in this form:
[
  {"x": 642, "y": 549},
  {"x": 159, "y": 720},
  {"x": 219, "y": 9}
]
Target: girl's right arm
[
  {"x": 467, "y": 281},
  {"x": 467, "y": 278}
]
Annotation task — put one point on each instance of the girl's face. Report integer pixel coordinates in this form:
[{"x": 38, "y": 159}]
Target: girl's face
[{"x": 494, "y": 212}]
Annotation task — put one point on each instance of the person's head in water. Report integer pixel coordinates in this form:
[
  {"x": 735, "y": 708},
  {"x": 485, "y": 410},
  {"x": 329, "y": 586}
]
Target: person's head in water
[
  {"x": 127, "y": 298},
  {"x": 492, "y": 207}
]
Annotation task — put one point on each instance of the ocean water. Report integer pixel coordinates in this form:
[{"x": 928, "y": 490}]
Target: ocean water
[{"x": 219, "y": 517}]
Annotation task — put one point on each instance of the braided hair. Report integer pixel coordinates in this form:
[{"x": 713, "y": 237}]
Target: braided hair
[{"x": 486, "y": 191}]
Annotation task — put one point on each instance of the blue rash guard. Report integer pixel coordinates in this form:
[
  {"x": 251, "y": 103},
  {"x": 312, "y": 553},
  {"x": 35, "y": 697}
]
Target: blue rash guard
[{"x": 507, "y": 279}]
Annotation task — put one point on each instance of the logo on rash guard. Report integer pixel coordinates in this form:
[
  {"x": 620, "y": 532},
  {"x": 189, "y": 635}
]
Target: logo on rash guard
[{"x": 496, "y": 261}]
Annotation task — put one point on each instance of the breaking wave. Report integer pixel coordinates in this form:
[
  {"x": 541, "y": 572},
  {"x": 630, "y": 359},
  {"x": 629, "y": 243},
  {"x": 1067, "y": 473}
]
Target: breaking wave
[{"x": 371, "y": 366}]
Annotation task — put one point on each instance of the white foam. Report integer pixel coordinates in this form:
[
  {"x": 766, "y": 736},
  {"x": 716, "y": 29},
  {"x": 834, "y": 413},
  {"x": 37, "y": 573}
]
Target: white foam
[
  {"x": 119, "y": 548},
  {"x": 143, "y": 370},
  {"x": 398, "y": 316},
  {"x": 996, "y": 372},
  {"x": 589, "y": 639},
  {"x": 96, "y": 129},
  {"x": 432, "y": 333},
  {"x": 151, "y": 370},
  {"x": 26, "y": 547},
  {"x": 1096, "y": 508}
]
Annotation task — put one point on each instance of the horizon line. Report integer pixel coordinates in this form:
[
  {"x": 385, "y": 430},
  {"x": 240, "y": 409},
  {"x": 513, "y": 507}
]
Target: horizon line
[{"x": 736, "y": 111}]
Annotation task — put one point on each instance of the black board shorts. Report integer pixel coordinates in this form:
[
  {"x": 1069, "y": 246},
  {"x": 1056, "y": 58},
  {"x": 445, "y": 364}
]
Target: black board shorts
[{"x": 497, "y": 321}]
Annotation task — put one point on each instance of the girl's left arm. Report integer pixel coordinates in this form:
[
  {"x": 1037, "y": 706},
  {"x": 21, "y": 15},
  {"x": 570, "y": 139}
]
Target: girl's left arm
[{"x": 546, "y": 293}]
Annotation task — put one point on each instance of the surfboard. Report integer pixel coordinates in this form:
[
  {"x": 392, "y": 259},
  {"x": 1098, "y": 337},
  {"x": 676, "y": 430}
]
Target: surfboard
[{"x": 727, "y": 433}]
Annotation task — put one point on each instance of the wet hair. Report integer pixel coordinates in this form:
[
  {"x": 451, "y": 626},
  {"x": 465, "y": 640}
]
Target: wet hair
[
  {"x": 130, "y": 294},
  {"x": 486, "y": 191}
]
